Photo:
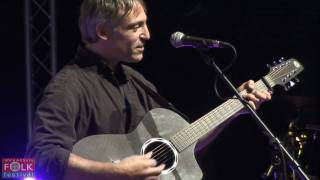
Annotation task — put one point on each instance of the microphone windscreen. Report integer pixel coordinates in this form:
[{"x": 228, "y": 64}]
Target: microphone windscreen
[{"x": 176, "y": 39}]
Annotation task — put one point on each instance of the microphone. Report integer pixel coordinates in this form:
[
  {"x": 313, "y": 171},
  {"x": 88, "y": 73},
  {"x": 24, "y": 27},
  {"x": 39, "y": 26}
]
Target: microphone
[{"x": 179, "y": 39}]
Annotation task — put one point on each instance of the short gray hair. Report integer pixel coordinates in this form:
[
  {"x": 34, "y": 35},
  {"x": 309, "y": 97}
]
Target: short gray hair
[{"x": 93, "y": 12}]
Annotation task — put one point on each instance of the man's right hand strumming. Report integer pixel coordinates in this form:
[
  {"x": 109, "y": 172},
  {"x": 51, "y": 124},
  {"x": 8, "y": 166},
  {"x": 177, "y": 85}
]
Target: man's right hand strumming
[{"x": 133, "y": 167}]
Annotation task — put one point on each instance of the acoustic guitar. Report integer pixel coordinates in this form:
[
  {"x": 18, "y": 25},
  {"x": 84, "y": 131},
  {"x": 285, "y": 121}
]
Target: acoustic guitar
[{"x": 172, "y": 139}]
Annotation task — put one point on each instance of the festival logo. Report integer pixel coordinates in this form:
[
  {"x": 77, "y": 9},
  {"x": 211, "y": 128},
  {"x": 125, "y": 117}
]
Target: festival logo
[{"x": 17, "y": 167}]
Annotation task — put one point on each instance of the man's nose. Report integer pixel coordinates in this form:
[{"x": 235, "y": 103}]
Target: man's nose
[{"x": 145, "y": 35}]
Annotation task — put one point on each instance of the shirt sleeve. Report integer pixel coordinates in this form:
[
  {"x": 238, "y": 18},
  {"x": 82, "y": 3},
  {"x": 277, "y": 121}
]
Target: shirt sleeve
[{"x": 53, "y": 132}]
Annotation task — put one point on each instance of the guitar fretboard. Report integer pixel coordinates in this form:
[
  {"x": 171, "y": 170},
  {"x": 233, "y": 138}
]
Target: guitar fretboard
[{"x": 211, "y": 120}]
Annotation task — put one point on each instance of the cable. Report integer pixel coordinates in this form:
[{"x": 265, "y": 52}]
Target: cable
[{"x": 209, "y": 61}]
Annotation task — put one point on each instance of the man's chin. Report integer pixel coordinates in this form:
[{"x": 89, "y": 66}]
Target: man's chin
[{"x": 136, "y": 58}]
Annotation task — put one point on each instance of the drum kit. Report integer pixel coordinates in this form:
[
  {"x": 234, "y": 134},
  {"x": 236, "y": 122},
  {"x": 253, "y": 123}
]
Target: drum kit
[{"x": 302, "y": 138}]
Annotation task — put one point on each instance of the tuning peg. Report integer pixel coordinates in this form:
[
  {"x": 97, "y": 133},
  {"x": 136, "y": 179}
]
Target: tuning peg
[
  {"x": 274, "y": 62},
  {"x": 268, "y": 66},
  {"x": 289, "y": 85},
  {"x": 281, "y": 60},
  {"x": 297, "y": 80},
  {"x": 287, "y": 88}
]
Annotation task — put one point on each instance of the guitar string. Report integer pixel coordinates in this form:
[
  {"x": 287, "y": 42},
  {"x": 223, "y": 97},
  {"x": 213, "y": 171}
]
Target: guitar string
[
  {"x": 156, "y": 150},
  {"x": 226, "y": 113},
  {"x": 165, "y": 150},
  {"x": 165, "y": 159},
  {"x": 277, "y": 71},
  {"x": 158, "y": 155},
  {"x": 273, "y": 75},
  {"x": 214, "y": 112},
  {"x": 261, "y": 85},
  {"x": 206, "y": 117},
  {"x": 161, "y": 155}
]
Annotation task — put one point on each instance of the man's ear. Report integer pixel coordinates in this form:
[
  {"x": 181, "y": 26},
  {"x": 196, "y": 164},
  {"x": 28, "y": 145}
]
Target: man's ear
[{"x": 102, "y": 31}]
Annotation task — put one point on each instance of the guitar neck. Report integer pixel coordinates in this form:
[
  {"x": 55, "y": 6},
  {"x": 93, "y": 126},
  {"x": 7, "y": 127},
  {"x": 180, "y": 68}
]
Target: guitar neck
[{"x": 211, "y": 120}]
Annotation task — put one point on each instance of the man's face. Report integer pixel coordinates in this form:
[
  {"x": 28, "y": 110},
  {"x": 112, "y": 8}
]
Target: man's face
[{"x": 127, "y": 40}]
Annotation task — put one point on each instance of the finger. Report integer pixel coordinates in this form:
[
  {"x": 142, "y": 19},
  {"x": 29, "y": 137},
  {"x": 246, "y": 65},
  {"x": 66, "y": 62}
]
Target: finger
[
  {"x": 161, "y": 167},
  {"x": 148, "y": 155},
  {"x": 155, "y": 171},
  {"x": 252, "y": 104},
  {"x": 151, "y": 162},
  {"x": 268, "y": 95},
  {"x": 263, "y": 95},
  {"x": 251, "y": 85},
  {"x": 153, "y": 178},
  {"x": 151, "y": 172},
  {"x": 251, "y": 97},
  {"x": 260, "y": 95}
]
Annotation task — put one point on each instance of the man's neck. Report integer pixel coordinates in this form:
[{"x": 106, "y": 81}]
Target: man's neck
[{"x": 112, "y": 64}]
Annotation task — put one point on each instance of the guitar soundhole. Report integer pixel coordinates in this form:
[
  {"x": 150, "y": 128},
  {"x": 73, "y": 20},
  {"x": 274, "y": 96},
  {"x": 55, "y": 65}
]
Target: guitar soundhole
[{"x": 162, "y": 153}]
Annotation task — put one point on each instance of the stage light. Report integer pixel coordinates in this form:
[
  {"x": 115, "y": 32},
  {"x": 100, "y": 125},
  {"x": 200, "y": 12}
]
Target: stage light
[{"x": 29, "y": 178}]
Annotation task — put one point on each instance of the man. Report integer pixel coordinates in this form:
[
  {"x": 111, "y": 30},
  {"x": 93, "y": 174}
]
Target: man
[{"x": 97, "y": 94}]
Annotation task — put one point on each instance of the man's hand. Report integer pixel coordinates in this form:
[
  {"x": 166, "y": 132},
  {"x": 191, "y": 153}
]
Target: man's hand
[
  {"x": 139, "y": 167},
  {"x": 254, "y": 96}
]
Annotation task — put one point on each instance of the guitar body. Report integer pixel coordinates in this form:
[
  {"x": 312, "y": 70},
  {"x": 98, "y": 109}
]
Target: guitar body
[{"x": 157, "y": 123}]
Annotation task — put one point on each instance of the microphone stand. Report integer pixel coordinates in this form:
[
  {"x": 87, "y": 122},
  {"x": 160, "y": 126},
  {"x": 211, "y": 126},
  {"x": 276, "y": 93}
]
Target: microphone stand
[{"x": 275, "y": 141}]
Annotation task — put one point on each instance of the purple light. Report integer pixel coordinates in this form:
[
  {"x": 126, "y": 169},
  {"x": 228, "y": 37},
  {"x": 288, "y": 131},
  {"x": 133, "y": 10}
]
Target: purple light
[{"x": 29, "y": 178}]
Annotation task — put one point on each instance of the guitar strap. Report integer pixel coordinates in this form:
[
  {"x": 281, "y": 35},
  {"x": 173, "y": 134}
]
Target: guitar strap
[{"x": 161, "y": 100}]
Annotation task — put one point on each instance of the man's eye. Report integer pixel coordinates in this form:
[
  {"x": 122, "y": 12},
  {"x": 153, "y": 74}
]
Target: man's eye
[{"x": 136, "y": 27}]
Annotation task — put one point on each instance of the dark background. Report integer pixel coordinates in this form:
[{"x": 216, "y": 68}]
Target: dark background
[{"x": 262, "y": 31}]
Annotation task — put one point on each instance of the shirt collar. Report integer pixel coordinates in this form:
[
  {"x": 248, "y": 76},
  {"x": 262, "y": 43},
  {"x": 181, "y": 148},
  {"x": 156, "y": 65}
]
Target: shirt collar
[{"x": 87, "y": 58}]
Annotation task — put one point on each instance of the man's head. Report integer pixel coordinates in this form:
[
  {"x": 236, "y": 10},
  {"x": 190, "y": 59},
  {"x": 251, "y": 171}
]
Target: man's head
[{"x": 117, "y": 27}]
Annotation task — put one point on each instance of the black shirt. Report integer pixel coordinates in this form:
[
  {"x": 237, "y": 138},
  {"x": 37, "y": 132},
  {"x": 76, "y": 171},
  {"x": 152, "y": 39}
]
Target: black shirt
[{"x": 85, "y": 98}]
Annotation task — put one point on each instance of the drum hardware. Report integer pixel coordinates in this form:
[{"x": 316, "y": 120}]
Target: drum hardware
[{"x": 301, "y": 137}]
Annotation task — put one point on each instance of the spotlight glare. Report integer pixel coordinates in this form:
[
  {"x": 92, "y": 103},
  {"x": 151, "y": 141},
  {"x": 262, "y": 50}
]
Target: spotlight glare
[{"x": 29, "y": 178}]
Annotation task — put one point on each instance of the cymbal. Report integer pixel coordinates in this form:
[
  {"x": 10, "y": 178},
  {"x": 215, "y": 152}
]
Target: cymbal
[{"x": 314, "y": 127}]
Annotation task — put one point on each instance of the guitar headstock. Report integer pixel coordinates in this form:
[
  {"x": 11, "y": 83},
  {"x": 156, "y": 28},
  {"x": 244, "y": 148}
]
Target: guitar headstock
[{"x": 284, "y": 73}]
